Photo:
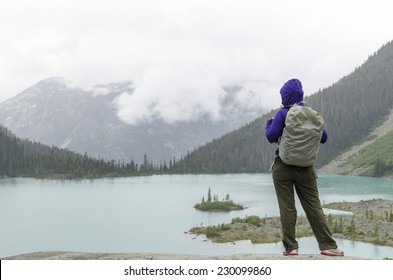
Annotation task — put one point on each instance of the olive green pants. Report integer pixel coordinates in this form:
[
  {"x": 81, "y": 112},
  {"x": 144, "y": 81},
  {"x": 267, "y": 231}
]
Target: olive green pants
[{"x": 288, "y": 178}]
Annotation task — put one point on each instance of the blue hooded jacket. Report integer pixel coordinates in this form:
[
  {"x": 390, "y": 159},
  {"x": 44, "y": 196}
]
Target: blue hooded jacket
[{"x": 291, "y": 93}]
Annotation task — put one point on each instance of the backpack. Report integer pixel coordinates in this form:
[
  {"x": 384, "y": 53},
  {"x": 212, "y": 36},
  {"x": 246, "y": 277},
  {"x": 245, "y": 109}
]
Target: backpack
[{"x": 301, "y": 137}]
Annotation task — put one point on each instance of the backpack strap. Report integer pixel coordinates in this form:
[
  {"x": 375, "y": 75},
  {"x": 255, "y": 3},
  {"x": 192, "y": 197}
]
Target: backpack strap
[{"x": 301, "y": 103}]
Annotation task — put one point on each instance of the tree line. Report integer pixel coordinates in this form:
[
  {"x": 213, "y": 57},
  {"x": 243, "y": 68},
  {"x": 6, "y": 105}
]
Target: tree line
[{"x": 25, "y": 158}]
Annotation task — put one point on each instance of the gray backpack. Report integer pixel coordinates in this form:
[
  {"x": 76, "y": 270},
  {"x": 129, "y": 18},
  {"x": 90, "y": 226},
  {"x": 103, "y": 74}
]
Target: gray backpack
[{"x": 299, "y": 143}]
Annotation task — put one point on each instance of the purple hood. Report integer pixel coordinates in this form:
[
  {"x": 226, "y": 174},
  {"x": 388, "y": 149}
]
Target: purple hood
[{"x": 291, "y": 92}]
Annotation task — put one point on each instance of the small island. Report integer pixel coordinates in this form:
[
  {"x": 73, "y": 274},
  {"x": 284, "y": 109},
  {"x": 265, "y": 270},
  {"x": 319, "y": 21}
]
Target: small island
[{"x": 214, "y": 205}]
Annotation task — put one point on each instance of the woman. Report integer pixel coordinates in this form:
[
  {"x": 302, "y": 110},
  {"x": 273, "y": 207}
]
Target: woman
[{"x": 290, "y": 178}]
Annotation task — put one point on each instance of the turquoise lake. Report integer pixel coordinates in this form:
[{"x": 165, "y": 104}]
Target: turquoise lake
[{"x": 152, "y": 214}]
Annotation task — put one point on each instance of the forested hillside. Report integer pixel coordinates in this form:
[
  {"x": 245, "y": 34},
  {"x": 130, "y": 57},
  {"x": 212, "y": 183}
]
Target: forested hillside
[
  {"x": 352, "y": 107},
  {"x": 23, "y": 158}
]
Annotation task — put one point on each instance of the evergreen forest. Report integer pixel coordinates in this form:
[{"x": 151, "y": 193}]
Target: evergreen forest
[{"x": 24, "y": 158}]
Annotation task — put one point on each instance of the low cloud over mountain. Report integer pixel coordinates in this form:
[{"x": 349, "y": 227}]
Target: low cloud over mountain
[{"x": 123, "y": 121}]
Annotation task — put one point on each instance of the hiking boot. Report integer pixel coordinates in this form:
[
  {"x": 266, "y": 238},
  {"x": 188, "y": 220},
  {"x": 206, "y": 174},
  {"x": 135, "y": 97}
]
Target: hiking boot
[
  {"x": 293, "y": 252},
  {"x": 332, "y": 253}
]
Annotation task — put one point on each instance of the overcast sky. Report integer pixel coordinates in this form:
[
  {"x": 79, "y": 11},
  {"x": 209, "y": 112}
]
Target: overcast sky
[{"x": 179, "y": 54}]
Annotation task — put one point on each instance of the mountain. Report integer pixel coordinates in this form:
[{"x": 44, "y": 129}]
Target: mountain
[
  {"x": 56, "y": 112},
  {"x": 352, "y": 108}
]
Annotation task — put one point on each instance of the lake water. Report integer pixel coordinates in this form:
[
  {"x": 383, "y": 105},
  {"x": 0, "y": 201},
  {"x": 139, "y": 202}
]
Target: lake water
[{"x": 152, "y": 214}]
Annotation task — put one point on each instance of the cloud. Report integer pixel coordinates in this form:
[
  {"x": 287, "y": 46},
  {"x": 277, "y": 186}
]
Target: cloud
[
  {"x": 180, "y": 55},
  {"x": 164, "y": 94},
  {"x": 184, "y": 80}
]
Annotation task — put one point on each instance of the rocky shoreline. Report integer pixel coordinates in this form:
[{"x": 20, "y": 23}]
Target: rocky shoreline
[
  {"x": 372, "y": 221},
  {"x": 367, "y": 221}
]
